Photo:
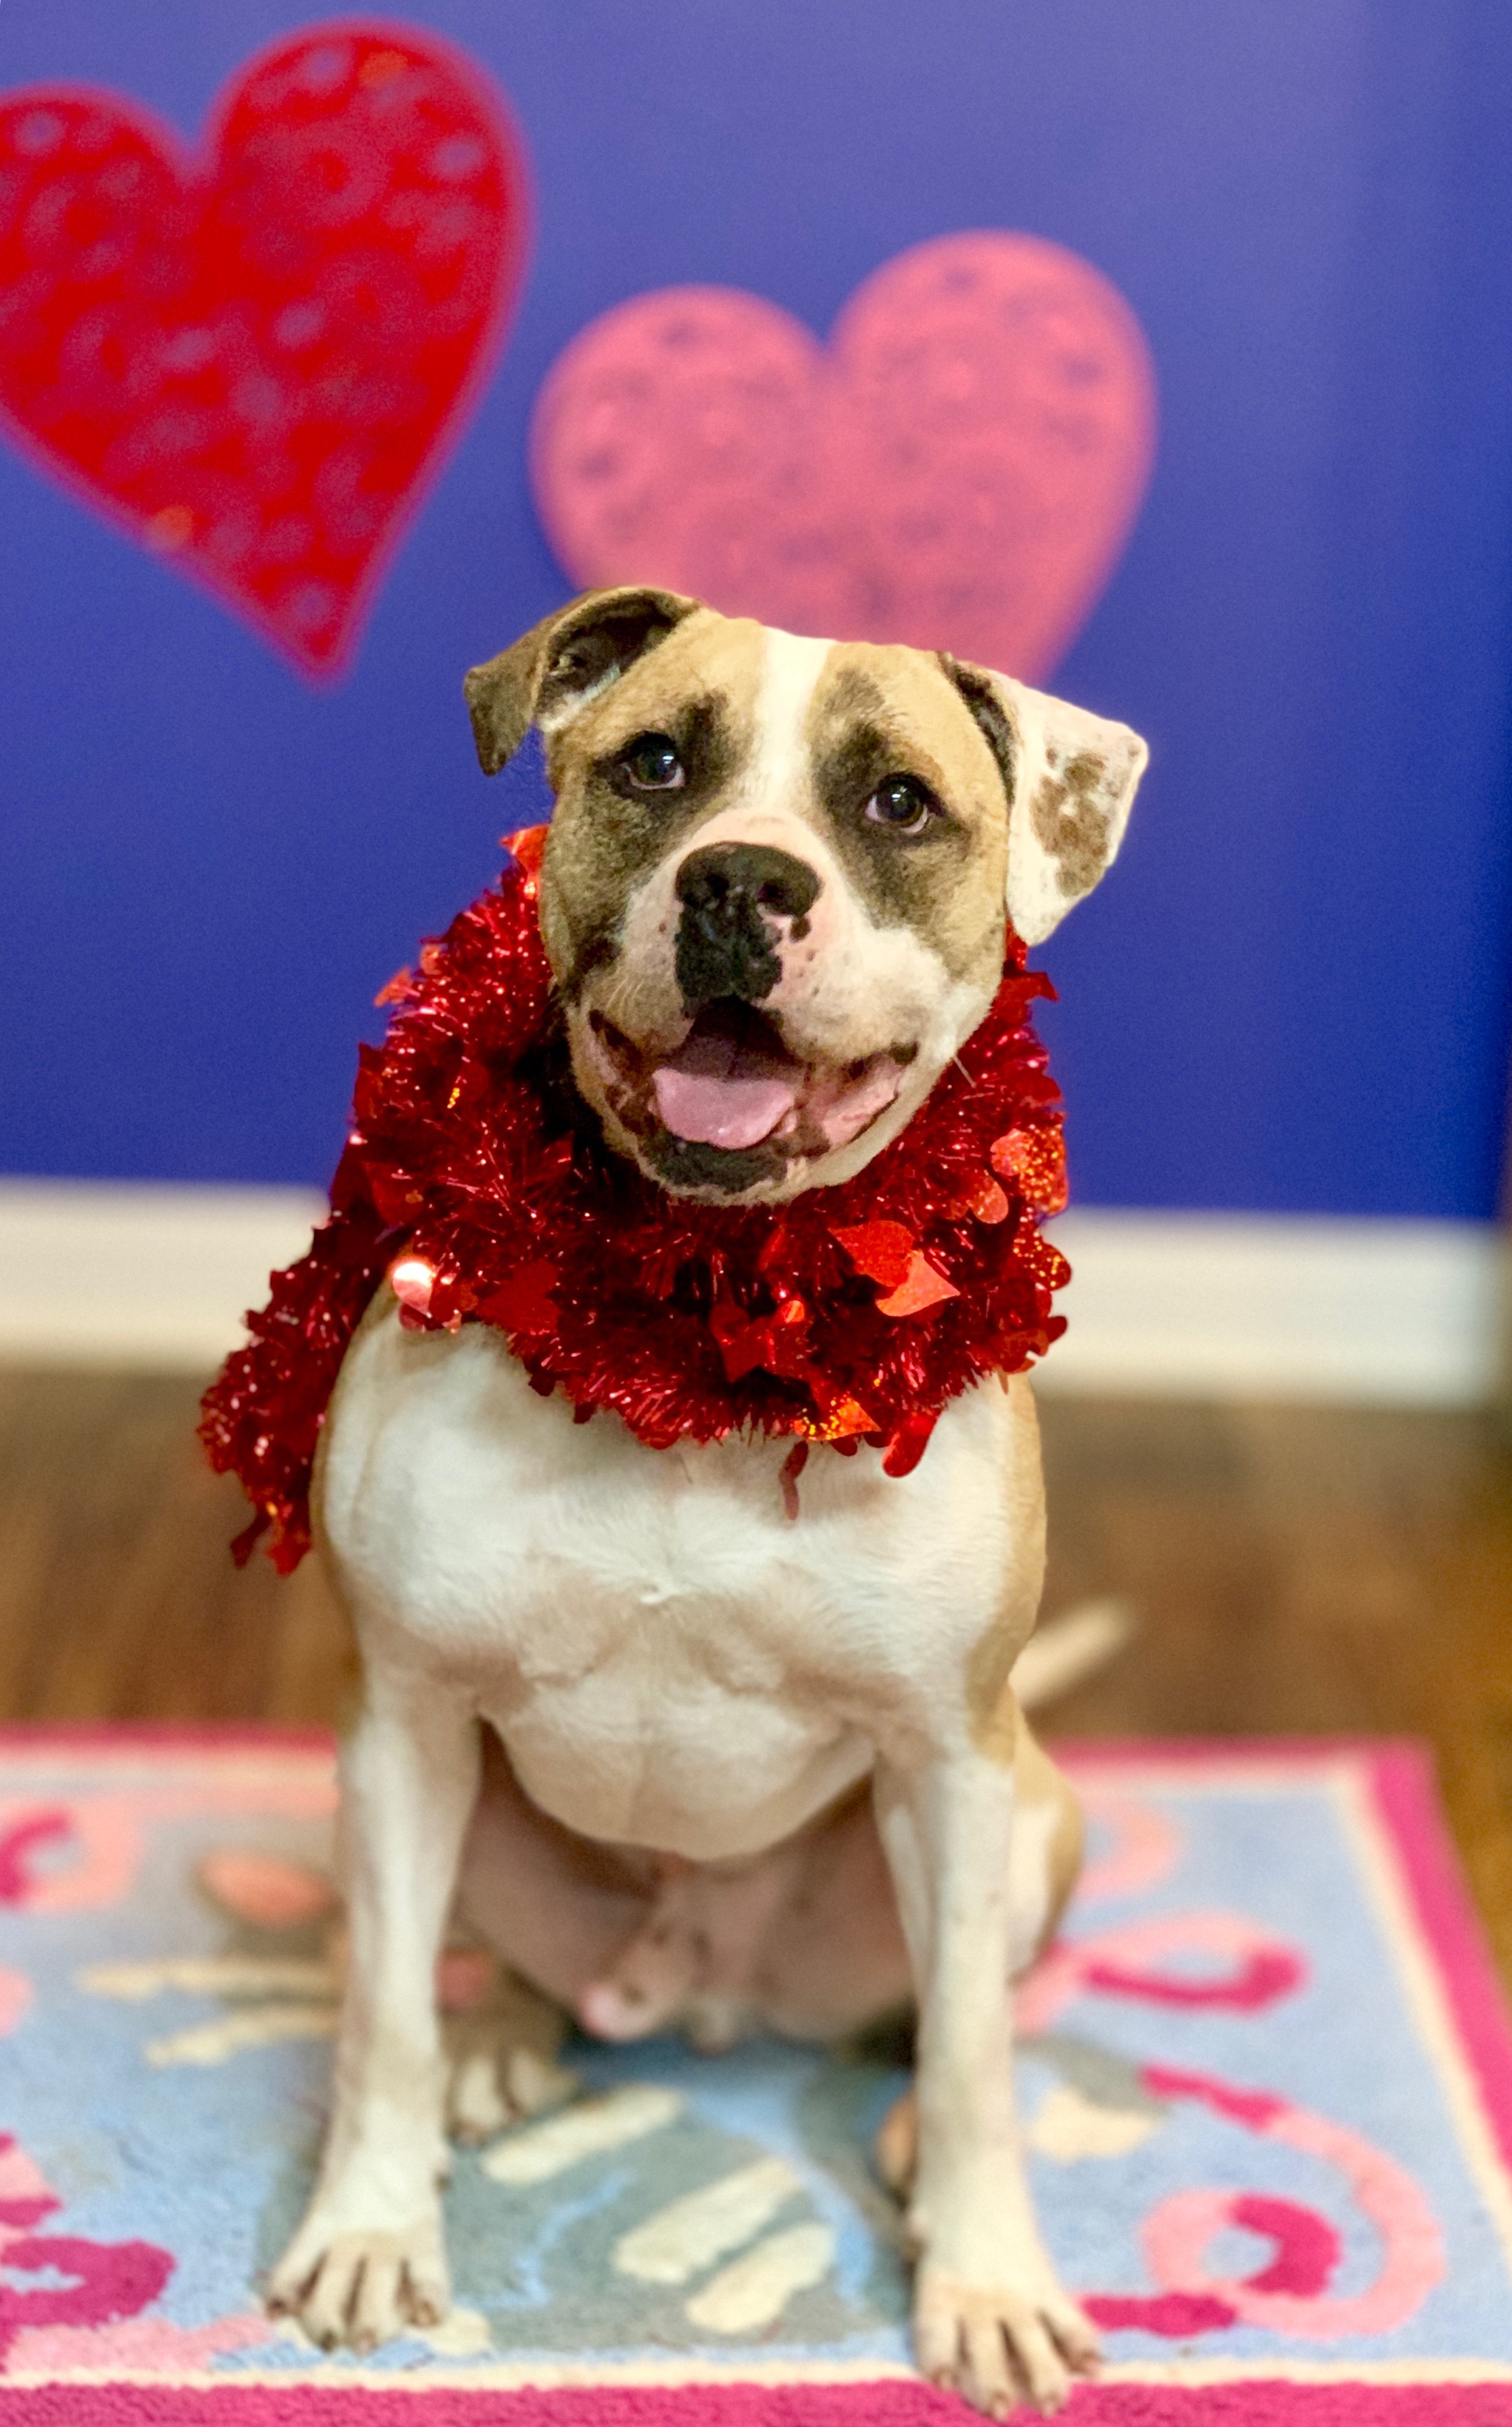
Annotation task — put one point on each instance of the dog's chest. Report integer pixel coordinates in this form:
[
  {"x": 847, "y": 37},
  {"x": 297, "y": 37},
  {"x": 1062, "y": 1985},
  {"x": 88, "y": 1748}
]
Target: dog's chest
[{"x": 668, "y": 1656}]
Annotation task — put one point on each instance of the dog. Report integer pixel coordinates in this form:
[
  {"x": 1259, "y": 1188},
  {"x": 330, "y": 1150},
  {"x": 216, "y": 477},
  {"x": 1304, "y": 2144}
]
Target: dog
[{"x": 675, "y": 1757}]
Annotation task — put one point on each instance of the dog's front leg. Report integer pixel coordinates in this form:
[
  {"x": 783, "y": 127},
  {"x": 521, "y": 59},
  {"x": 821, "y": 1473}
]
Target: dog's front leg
[
  {"x": 369, "y": 2258},
  {"x": 989, "y": 2314}
]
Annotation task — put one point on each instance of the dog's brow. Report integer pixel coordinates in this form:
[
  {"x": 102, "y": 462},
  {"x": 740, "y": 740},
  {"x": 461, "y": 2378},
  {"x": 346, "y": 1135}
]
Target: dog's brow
[
  {"x": 702, "y": 715},
  {"x": 862, "y": 752},
  {"x": 865, "y": 751},
  {"x": 853, "y": 693},
  {"x": 859, "y": 733}
]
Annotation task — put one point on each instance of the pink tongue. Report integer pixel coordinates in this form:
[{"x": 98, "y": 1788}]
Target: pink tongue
[{"x": 713, "y": 1094}]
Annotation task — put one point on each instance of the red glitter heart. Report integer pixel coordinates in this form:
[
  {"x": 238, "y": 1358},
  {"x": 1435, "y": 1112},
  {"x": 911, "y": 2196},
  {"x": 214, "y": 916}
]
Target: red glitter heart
[
  {"x": 959, "y": 468},
  {"x": 252, "y": 358}
]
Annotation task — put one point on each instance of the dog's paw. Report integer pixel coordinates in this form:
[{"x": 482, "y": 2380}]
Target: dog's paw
[
  {"x": 488, "y": 2089},
  {"x": 501, "y": 2061},
  {"x": 1000, "y": 2344},
  {"x": 361, "y": 2287}
]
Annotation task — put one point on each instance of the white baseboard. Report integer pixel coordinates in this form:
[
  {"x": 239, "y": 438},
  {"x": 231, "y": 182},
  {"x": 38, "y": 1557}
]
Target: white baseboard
[
  {"x": 1189, "y": 1304},
  {"x": 122, "y": 1274},
  {"x": 1280, "y": 1306}
]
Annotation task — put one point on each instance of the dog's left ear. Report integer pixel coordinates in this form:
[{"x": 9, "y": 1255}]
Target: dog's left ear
[
  {"x": 1070, "y": 777},
  {"x": 562, "y": 663}
]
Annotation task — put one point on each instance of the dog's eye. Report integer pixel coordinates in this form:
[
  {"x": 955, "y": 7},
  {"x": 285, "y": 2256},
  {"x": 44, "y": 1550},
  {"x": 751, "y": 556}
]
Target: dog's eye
[
  {"x": 652, "y": 763},
  {"x": 902, "y": 804}
]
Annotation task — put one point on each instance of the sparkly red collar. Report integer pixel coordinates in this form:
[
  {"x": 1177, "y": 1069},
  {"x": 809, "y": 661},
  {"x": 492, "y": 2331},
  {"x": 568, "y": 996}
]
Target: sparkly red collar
[{"x": 472, "y": 1179}]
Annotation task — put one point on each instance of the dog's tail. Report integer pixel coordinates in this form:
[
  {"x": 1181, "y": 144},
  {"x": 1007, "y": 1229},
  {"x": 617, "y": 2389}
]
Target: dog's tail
[{"x": 1060, "y": 1653}]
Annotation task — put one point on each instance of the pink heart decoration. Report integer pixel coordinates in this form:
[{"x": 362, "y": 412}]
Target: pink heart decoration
[
  {"x": 253, "y": 359},
  {"x": 959, "y": 468}
]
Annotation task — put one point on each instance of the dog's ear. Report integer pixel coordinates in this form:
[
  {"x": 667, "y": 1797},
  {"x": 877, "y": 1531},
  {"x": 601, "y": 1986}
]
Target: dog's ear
[
  {"x": 561, "y": 663},
  {"x": 1070, "y": 779}
]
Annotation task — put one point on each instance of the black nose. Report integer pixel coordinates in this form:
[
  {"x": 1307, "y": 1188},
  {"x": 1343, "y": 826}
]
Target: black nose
[{"x": 731, "y": 892}]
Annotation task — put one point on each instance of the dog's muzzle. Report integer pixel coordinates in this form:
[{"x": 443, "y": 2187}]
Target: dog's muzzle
[
  {"x": 732, "y": 896},
  {"x": 739, "y": 1096}
]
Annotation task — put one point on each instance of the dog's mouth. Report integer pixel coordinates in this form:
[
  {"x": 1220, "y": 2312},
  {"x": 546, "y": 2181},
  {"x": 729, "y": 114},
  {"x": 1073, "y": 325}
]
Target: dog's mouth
[
  {"x": 732, "y": 1082},
  {"x": 734, "y": 1086}
]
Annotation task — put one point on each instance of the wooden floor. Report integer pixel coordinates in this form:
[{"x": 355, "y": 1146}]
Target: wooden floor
[{"x": 1294, "y": 1569}]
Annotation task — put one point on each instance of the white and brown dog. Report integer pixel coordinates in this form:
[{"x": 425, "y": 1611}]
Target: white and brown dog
[{"x": 680, "y": 1759}]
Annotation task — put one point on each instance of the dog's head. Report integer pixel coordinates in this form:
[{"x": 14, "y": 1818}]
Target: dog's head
[{"x": 775, "y": 886}]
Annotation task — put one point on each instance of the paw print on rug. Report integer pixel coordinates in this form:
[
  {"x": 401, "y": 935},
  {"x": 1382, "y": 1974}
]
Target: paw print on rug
[
  {"x": 280, "y": 1974},
  {"x": 277, "y": 1977},
  {"x": 677, "y": 2229}
]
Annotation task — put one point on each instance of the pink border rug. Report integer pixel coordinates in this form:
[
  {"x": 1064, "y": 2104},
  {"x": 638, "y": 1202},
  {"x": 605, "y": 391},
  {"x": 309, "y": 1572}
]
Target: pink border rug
[{"x": 1266, "y": 2075}]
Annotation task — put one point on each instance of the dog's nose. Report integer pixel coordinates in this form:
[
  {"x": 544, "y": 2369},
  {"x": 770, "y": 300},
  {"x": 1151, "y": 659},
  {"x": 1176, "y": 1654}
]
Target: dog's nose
[{"x": 731, "y": 894}]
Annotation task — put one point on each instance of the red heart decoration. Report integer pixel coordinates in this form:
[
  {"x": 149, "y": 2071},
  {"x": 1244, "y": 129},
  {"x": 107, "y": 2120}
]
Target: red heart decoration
[
  {"x": 251, "y": 359},
  {"x": 958, "y": 468}
]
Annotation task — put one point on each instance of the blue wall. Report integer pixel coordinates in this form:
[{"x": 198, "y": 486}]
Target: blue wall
[{"x": 1294, "y": 992}]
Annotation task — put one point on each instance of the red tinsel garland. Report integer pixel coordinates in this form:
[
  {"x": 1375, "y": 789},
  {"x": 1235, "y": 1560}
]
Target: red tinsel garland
[{"x": 473, "y": 1181}]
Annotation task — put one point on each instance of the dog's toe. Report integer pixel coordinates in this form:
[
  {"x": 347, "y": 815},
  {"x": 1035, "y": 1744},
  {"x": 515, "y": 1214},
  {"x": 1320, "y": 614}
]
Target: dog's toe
[
  {"x": 490, "y": 2088},
  {"x": 475, "y": 2105},
  {"x": 501, "y": 2061},
  {"x": 427, "y": 2285},
  {"x": 533, "y": 2082},
  {"x": 327, "y": 2306},
  {"x": 375, "y": 2314}
]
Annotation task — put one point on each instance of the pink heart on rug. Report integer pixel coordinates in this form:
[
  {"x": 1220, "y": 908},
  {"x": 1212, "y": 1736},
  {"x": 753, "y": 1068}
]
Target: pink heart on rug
[
  {"x": 959, "y": 468},
  {"x": 252, "y": 360},
  {"x": 266, "y": 1889},
  {"x": 19, "y": 1842}
]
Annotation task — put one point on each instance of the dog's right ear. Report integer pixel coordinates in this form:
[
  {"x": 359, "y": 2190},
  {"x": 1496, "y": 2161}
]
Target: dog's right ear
[
  {"x": 1070, "y": 779},
  {"x": 562, "y": 663}
]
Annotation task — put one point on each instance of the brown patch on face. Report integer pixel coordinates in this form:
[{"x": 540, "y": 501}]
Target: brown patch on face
[
  {"x": 1077, "y": 839},
  {"x": 882, "y": 711},
  {"x": 606, "y": 838}
]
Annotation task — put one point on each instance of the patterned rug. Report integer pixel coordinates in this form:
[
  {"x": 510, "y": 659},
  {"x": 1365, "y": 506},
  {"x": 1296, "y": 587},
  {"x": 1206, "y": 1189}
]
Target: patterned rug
[{"x": 1266, "y": 2077}]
